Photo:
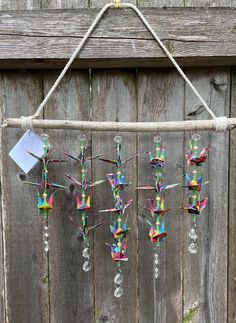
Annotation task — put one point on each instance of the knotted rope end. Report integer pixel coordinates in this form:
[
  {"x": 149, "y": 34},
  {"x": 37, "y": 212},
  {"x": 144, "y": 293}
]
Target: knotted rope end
[
  {"x": 221, "y": 124},
  {"x": 118, "y": 3},
  {"x": 27, "y": 122}
]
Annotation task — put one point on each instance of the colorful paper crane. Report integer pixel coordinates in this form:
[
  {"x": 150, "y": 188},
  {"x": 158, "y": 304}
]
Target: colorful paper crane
[
  {"x": 119, "y": 228},
  {"x": 45, "y": 200},
  {"x": 83, "y": 200},
  {"x": 156, "y": 207},
  {"x": 194, "y": 183}
]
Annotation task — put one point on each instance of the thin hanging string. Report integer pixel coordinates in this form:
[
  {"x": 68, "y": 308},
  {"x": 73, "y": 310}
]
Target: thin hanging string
[{"x": 221, "y": 123}]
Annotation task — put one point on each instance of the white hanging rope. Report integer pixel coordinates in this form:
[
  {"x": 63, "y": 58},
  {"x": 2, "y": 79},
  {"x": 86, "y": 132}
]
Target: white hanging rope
[{"x": 221, "y": 123}]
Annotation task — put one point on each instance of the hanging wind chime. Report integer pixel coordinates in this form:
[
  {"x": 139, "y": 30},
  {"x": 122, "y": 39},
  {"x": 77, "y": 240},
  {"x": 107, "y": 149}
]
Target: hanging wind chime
[
  {"x": 194, "y": 183},
  {"x": 157, "y": 208},
  {"x": 44, "y": 200},
  {"x": 119, "y": 229},
  {"x": 83, "y": 201}
]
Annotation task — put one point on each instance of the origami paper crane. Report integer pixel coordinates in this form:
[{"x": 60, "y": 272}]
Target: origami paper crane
[
  {"x": 193, "y": 184},
  {"x": 197, "y": 207},
  {"x": 155, "y": 209},
  {"x": 119, "y": 207},
  {"x": 118, "y": 183},
  {"x": 118, "y": 254},
  {"x": 158, "y": 186},
  {"x": 197, "y": 159},
  {"x": 85, "y": 231},
  {"x": 157, "y": 235},
  {"x": 119, "y": 231},
  {"x": 159, "y": 159}
]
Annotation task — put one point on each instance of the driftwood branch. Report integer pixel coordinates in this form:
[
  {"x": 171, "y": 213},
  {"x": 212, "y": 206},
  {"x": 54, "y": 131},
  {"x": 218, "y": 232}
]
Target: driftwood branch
[{"x": 170, "y": 126}]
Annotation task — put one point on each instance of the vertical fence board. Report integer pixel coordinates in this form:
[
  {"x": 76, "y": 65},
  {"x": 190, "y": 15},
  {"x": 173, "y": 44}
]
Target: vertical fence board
[
  {"x": 205, "y": 274},
  {"x": 114, "y": 98},
  {"x": 2, "y": 269},
  {"x": 232, "y": 209},
  {"x": 160, "y": 300},
  {"x": 20, "y": 5},
  {"x": 71, "y": 290},
  {"x": 24, "y": 262}
]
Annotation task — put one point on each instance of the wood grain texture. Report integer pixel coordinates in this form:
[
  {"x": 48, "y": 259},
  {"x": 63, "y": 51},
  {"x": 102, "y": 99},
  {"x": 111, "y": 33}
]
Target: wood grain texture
[
  {"x": 71, "y": 290},
  {"x": 48, "y": 38},
  {"x": 209, "y": 3},
  {"x": 25, "y": 268},
  {"x": 232, "y": 208},
  {"x": 2, "y": 261},
  {"x": 114, "y": 98},
  {"x": 20, "y": 5},
  {"x": 158, "y": 92},
  {"x": 64, "y": 4},
  {"x": 160, "y": 3},
  {"x": 101, "y": 3},
  {"x": 205, "y": 274}
]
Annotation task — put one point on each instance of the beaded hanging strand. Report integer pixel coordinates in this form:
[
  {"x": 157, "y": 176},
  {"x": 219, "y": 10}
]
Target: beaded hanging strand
[
  {"x": 157, "y": 209},
  {"x": 119, "y": 228},
  {"x": 44, "y": 201},
  {"x": 83, "y": 201},
  {"x": 194, "y": 183}
]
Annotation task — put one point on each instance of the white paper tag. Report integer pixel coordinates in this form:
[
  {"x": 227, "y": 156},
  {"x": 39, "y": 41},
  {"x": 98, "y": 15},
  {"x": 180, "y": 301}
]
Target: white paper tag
[{"x": 31, "y": 142}]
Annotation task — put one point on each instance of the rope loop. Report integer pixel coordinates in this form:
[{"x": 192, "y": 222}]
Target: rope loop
[
  {"x": 27, "y": 122},
  {"x": 221, "y": 124}
]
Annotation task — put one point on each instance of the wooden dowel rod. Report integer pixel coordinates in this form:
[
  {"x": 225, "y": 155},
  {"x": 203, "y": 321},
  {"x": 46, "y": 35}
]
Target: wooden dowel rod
[{"x": 169, "y": 126}]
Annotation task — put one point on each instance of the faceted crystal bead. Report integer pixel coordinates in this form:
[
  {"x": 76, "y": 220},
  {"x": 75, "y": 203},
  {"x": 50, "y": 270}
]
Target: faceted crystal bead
[
  {"x": 118, "y": 292},
  {"x": 118, "y": 279},
  {"x": 156, "y": 272},
  {"x": 193, "y": 248},
  {"x": 192, "y": 234},
  {"x": 86, "y": 253},
  {"x": 87, "y": 266}
]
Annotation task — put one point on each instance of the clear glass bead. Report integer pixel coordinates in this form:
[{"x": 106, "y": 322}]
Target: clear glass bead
[
  {"x": 118, "y": 279},
  {"x": 85, "y": 244},
  {"x": 193, "y": 248},
  {"x": 86, "y": 253},
  {"x": 157, "y": 139},
  {"x": 118, "y": 292},
  {"x": 46, "y": 248},
  {"x": 118, "y": 139},
  {"x": 156, "y": 272},
  {"x": 192, "y": 234},
  {"x": 87, "y": 266},
  {"x": 46, "y": 234}
]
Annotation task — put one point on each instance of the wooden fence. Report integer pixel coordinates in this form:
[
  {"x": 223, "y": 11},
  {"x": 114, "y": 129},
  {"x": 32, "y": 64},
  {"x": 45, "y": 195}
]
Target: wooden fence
[{"x": 35, "y": 288}]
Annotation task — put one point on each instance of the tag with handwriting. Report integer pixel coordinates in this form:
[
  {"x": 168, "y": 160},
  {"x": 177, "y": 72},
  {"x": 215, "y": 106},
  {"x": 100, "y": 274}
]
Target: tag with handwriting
[{"x": 31, "y": 142}]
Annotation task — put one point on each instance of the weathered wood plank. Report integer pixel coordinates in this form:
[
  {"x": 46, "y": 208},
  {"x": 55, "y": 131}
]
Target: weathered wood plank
[
  {"x": 2, "y": 269},
  {"x": 158, "y": 92},
  {"x": 71, "y": 290},
  {"x": 160, "y": 3},
  {"x": 20, "y": 5},
  {"x": 48, "y": 38},
  {"x": 232, "y": 208},
  {"x": 114, "y": 97},
  {"x": 64, "y": 4},
  {"x": 205, "y": 274},
  {"x": 209, "y": 3},
  {"x": 101, "y": 3},
  {"x": 25, "y": 264}
]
